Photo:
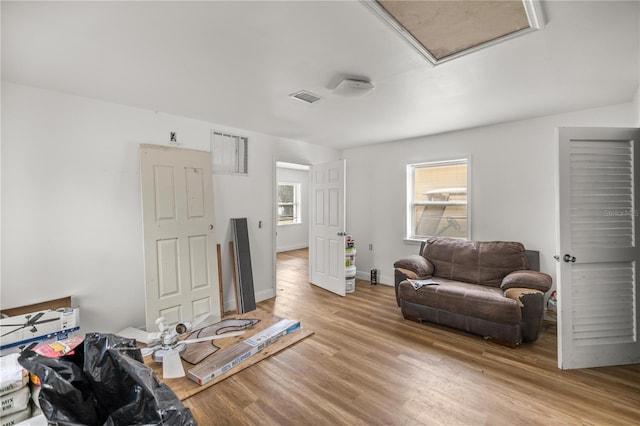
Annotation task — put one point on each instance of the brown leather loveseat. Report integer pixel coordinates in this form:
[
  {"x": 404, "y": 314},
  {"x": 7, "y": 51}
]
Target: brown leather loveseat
[{"x": 483, "y": 287}]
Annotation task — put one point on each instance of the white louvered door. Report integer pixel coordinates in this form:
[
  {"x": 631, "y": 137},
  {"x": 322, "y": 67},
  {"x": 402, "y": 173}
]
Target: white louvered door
[{"x": 598, "y": 234}]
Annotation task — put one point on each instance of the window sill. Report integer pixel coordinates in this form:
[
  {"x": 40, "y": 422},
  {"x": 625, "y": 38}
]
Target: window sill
[
  {"x": 412, "y": 242},
  {"x": 417, "y": 242}
]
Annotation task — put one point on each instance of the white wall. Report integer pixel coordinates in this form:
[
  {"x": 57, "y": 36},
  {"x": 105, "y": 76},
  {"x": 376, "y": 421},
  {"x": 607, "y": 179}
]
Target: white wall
[
  {"x": 294, "y": 236},
  {"x": 71, "y": 209},
  {"x": 636, "y": 106},
  {"x": 512, "y": 190},
  {"x": 636, "y": 96}
]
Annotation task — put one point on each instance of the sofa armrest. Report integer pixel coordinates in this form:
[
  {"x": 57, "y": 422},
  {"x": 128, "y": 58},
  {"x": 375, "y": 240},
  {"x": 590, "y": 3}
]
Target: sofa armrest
[
  {"x": 527, "y": 279},
  {"x": 417, "y": 264},
  {"x": 531, "y": 303},
  {"x": 412, "y": 267}
]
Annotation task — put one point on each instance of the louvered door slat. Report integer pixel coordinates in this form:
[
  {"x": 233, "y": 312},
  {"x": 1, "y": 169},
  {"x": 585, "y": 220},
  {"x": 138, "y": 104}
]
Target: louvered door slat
[
  {"x": 603, "y": 302},
  {"x": 601, "y": 176}
]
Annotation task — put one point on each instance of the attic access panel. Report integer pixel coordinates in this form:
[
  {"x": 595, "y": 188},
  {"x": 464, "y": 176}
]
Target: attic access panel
[{"x": 443, "y": 30}]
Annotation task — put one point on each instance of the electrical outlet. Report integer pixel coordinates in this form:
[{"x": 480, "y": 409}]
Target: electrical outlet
[{"x": 370, "y": 246}]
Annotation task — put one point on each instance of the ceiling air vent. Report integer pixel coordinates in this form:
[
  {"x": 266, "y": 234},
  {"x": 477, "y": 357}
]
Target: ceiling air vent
[{"x": 305, "y": 96}]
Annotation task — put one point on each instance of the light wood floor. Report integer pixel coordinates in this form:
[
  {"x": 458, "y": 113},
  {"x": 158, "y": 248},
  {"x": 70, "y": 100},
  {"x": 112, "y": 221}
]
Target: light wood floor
[{"x": 366, "y": 365}]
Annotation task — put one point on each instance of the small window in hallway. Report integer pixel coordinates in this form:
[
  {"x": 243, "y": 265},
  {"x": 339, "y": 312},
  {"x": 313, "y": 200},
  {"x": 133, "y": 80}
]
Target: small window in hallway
[{"x": 289, "y": 203}]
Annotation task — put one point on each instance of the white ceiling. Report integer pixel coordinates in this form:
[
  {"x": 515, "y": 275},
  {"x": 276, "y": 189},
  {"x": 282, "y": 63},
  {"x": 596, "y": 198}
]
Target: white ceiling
[{"x": 235, "y": 63}]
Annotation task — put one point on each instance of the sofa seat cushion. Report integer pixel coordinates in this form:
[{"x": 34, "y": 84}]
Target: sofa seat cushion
[
  {"x": 477, "y": 262},
  {"x": 472, "y": 300}
]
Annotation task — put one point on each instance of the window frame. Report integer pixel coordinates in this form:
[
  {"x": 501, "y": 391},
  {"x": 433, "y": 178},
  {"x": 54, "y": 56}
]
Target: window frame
[
  {"x": 409, "y": 236},
  {"x": 229, "y": 154},
  {"x": 297, "y": 203}
]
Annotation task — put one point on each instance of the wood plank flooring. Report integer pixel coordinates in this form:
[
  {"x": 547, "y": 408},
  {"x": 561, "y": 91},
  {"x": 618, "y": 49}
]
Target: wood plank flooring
[{"x": 366, "y": 365}]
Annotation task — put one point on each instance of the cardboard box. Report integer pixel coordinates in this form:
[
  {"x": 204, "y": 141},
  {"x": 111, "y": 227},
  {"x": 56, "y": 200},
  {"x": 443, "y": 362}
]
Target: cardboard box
[
  {"x": 220, "y": 363},
  {"x": 37, "y": 326}
]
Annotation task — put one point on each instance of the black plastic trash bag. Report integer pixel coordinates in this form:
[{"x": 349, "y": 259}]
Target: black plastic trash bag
[{"x": 104, "y": 382}]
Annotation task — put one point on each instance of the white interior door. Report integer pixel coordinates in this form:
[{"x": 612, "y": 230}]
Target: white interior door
[
  {"x": 179, "y": 244},
  {"x": 327, "y": 230},
  {"x": 598, "y": 234}
]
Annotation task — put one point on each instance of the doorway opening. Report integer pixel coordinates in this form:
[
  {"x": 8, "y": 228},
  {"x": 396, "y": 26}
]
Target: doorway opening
[
  {"x": 291, "y": 217},
  {"x": 292, "y": 206}
]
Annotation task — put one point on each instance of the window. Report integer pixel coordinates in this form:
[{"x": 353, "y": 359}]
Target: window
[
  {"x": 289, "y": 203},
  {"x": 437, "y": 195},
  {"x": 229, "y": 153}
]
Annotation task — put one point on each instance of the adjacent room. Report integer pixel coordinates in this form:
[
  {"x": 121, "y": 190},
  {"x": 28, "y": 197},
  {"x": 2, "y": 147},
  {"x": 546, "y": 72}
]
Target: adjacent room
[{"x": 325, "y": 148}]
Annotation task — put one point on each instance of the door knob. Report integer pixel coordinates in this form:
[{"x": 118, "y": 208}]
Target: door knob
[
  {"x": 569, "y": 258},
  {"x": 211, "y": 227},
  {"x": 342, "y": 234}
]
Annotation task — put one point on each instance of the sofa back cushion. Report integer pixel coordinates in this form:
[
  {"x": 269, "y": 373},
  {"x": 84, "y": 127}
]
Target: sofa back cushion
[{"x": 477, "y": 262}]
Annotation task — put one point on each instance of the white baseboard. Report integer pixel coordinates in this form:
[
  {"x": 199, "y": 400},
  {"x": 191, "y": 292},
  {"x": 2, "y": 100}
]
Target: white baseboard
[
  {"x": 264, "y": 295},
  {"x": 230, "y": 305},
  {"x": 292, "y": 247},
  {"x": 364, "y": 275}
]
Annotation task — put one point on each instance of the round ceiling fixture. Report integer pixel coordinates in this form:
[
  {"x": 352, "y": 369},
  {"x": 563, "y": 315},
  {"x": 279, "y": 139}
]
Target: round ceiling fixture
[{"x": 351, "y": 88}]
